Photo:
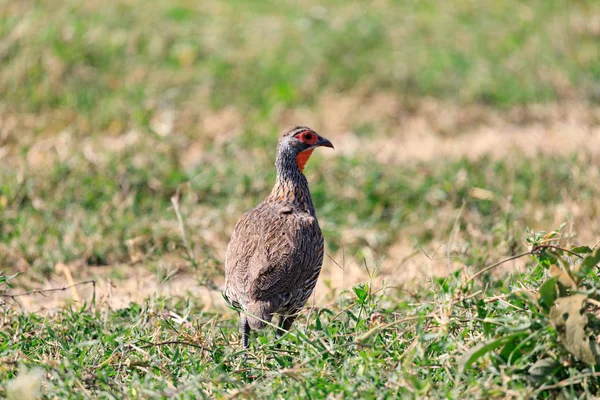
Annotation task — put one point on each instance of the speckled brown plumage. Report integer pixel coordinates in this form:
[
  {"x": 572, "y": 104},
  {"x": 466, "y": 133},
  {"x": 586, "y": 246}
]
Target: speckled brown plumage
[{"x": 275, "y": 254}]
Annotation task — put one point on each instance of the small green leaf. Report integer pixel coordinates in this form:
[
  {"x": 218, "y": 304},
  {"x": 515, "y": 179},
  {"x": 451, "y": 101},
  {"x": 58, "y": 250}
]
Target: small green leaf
[
  {"x": 361, "y": 291},
  {"x": 591, "y": 261},
  {"x": 318, "y": 324},
  {"x": 544, "y": 368},
  {"x": 548, "y": 294},
  {"x": 479, "y": 351},
  {"x": 581, "y": 250},
  {"x": 7, "y": 278}
]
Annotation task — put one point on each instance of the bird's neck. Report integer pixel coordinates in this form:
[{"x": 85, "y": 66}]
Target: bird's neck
[{"x": 291, "y": 185}]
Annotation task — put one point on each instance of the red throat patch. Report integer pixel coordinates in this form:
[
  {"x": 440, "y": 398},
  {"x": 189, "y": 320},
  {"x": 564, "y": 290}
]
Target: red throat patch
[{"x": 302, "y": 158}]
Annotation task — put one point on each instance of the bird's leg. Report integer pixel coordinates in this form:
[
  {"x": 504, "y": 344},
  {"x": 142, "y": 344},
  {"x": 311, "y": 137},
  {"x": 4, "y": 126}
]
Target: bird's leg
[
  {"x": 245, "y": 330},
  {"x": 285, "y": 323}
]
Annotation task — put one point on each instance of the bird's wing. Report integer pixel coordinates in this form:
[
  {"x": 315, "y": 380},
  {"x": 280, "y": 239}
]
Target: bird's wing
[
  {"x": 288, "y": 254},
  {"x": 240, "y": 250}
]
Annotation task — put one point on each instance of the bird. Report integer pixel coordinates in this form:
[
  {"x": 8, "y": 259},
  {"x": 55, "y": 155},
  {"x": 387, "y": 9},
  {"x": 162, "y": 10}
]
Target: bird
[{"x": 275, "y": 253}]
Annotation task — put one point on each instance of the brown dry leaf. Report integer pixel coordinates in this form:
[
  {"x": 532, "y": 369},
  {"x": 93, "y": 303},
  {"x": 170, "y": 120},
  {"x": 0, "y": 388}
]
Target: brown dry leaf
[
  {"x": 563, "y": 277},
  {"x": 570, "y": 320},
  {"x": 376, "y": 318},
  {"x": 481, "y": 194}
]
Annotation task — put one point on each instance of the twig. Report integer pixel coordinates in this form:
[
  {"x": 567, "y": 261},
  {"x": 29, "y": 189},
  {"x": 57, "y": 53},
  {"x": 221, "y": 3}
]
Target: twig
[
  {"x": 549, "y": 246},
  {"x": 568, "y": 382},
  {"x": 207, "y": 282},
  {"x": 528, "y": 253},
  {"x": 378, "y": 329},
  {"x": 482, "y": 271},
  {"x": 496, "y": 298},
  {"x": 453, "y": 232},
  {"x": 335, "y": 262},
  {"x": 459, "y": 298},
  {"x": 168, "y": 342},
  {"x": 186, "y": 245},
  {"x": 70, "y": 280},
  {"x": 44, "y": 291}
]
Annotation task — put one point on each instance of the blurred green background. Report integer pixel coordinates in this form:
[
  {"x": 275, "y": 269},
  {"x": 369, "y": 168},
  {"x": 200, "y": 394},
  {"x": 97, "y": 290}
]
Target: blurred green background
[{"x": 108, "y": 107}]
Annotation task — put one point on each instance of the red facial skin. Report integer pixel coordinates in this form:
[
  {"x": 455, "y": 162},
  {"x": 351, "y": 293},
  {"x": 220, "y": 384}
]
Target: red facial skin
[{"x": 311, "y": 139}]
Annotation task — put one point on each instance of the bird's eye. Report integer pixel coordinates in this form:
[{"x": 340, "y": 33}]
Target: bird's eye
[{"x": 307, "y": 136}]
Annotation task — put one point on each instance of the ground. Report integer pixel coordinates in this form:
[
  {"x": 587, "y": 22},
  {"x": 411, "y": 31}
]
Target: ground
[{"x": 131, "y": 141}]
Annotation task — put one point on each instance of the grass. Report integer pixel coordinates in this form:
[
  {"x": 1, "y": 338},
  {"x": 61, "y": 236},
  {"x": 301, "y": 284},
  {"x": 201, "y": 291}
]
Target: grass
[
  {"x": 107, "y": 113},
  {"x": 463, "y": 337},
  {"x": 94, "y": 211},
  {"x": 110, "y": 64}
]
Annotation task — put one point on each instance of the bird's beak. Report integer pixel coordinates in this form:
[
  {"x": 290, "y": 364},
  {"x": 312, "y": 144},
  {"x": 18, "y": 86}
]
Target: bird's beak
[{"x": 324, "y": 142}]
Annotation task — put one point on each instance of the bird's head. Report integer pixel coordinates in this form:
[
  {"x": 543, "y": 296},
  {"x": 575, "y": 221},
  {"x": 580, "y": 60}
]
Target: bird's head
[{"x": 300, "y": 143}]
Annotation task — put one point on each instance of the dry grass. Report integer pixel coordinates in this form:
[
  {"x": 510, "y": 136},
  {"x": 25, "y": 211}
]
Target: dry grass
[{"x": 408, "y": 137}]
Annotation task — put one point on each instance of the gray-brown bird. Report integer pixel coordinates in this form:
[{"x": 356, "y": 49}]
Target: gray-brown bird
[{"x": 275, "y": 254}]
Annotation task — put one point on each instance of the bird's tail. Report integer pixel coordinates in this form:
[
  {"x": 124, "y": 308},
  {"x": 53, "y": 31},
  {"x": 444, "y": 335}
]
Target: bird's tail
[{"x": 258, "y": 315}]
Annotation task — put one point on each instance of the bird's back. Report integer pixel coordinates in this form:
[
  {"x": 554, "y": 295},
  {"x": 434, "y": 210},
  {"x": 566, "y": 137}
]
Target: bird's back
[{"x": 273, "y": 259}]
